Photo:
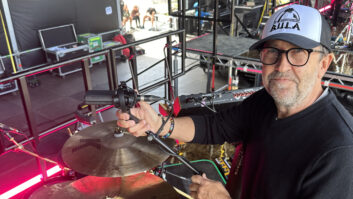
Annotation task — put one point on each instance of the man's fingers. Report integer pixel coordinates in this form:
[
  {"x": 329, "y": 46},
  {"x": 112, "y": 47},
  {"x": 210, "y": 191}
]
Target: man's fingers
[
  {"x": 193, "y": 194},
  {"x": 122, "y": 116},
  {"x": 138, "y": 126},
  {"x": 197, "y": 179},
  {"x": 193, "y": 187},
  {"x": 125, "y": 123},
  {"x": 146, "y": 106},
  {"x": 136, "y": 112}
]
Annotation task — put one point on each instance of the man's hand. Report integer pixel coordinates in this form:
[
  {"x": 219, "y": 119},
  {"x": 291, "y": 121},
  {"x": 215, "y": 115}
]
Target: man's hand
[
  {"x": 204, "y": 188},
  {"x": 149, "y": 120}
]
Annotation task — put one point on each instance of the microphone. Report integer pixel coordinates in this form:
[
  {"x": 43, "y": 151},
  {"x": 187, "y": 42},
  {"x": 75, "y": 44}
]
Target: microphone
[
  {"x": 148, "y": 98},
  {"x": 103, "y": 97},
  {"x": 99, "y": 97},
  {"x": 123, "y": 97}
]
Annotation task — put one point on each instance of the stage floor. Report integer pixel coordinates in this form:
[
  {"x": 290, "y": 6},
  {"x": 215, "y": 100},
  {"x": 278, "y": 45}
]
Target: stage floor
[{"x": 226, "y": 45}]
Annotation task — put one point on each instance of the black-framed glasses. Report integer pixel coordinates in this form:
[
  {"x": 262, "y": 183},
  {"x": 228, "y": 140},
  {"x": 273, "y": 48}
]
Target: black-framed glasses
[{"x": 295, "y": 56}]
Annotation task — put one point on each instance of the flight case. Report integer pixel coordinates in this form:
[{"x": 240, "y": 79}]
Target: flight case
[{"x": 60, "y": 43}]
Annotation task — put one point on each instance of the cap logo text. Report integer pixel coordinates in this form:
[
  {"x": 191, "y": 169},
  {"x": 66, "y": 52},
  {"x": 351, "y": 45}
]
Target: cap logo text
[{"x": 288, "y": 19}]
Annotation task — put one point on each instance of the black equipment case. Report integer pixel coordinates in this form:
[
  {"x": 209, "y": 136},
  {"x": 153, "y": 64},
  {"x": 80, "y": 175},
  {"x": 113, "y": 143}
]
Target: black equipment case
[
  {"x": 60, "y": 43},
  {"x": 7, "y": 87}
]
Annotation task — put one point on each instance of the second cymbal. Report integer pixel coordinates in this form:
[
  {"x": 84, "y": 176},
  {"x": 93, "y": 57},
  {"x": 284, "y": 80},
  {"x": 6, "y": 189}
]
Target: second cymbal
[
  {"x": 96, "y": 151},
  {"x": 142, "y": 185}
]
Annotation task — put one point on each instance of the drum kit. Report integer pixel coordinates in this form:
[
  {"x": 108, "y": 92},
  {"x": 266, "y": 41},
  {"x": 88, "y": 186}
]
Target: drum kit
[
  {"x": 114, "y": 167},
  {"x": 114, "y": 163},
  {"x": 142, "y": 185}
]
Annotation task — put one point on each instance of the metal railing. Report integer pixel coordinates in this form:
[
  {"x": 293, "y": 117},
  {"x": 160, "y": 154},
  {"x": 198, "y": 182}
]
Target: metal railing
[{"x": 109, "y": 53}]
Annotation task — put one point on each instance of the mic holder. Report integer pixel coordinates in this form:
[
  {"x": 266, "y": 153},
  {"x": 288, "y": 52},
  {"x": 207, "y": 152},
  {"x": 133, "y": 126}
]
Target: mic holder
[
  {"x": 152, "y": 136},
  {"x": 123, "y": 98},
  {"x": 126, "y": 98}
]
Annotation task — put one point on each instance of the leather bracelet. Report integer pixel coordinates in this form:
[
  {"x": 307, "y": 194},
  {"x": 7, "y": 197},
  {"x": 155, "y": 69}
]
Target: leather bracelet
[
  {"x": 171, "y": 128},
  {"x": 163, "y": 123}
]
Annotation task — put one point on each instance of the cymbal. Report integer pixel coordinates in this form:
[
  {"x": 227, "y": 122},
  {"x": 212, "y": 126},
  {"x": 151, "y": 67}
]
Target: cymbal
[
  {"x": 95, "y": 151},
  {"x": 48, "y": 190},
  {"x": 142, "y": 185}
]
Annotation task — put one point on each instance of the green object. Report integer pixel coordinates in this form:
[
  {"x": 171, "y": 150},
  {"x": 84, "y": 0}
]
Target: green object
[
  {"x": 108, "y": 44},
  {"x": 94, "y": 42}
]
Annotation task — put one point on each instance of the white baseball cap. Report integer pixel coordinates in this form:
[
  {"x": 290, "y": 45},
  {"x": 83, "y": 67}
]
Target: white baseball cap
[{"x": 300, "y": 25}]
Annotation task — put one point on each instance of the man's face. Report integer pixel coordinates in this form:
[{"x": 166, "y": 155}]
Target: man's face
[{"x": 288, "y": 84}]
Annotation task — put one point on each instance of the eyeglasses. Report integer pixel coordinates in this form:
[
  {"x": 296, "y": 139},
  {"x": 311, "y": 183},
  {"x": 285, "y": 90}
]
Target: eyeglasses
[{"x": 295, "y": 56}]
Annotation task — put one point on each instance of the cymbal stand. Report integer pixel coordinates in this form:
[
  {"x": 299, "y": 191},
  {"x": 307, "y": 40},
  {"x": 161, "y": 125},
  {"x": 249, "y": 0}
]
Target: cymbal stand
[
  {"x": 21, "y": 148},
  {"x": 152, "y": 136},
  {"x": 162, "y": 172}
]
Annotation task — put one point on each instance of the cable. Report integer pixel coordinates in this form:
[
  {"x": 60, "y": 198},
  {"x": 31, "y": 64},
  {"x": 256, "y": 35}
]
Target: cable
[
  {"x": 178, "y": 176},
  {"x": 14, "y": 131},
  {"x": 21, "y": 147},
  {"x": 169, "y": 71},
  {"x": 203, "y": 104},
  {"x": 262, "y": 14},
  {"x": 209, "y": 108},
  {"x": 8, "y": 43},
  {"x": 165, "y": 121}
]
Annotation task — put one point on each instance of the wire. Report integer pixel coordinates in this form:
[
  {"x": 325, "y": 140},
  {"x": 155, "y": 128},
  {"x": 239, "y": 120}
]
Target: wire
[
  {"x": 8, "y": 43},
  {"x": 178, "y": 176},
  {"x": 17, "y": 132},
  {"x": 209, "y": 108},
  {"x": 202, "y": 103},
  {"x": 21, "y": 147},
  {"x": 169, "y": 71},
  {"x": 165, "y": 121},
  {"x": 262, "y": 14}
]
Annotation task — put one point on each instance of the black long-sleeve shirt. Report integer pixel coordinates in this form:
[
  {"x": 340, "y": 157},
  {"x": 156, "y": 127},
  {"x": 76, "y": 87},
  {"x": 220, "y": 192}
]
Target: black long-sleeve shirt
[{"x": 306, "y": 155}]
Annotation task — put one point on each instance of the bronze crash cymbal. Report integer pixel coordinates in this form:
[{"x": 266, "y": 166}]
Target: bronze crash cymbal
[
  {"x": 48, "y": 190},
  {"x": 95, "y": 151},
  {"x": 142, "y": 185}
]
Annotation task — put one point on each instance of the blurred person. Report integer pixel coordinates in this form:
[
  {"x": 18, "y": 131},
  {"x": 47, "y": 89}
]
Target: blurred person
[
  {"x": 135, "y": 14},
  {"x": 126, "y": 16},
  {"x": 150, "y": 15}
]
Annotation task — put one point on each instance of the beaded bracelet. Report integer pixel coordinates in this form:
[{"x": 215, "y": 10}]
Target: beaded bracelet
[{"x": 171, "y": 128}]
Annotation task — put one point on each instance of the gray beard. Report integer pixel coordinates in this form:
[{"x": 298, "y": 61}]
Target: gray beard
[
  {"x": 295, "y": 95},
  {"x": 286, "y": 101}
]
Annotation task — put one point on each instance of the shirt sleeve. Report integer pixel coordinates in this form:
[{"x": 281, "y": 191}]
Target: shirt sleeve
[{"x": 331, "y": 176}]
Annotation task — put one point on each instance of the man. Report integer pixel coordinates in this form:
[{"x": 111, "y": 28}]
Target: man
[
  {"x": 126, "y": 16},
  {"x": 298, "y": 138},
  {"x": 135, "y": 14},
  {"x": 150, "y": 15}
]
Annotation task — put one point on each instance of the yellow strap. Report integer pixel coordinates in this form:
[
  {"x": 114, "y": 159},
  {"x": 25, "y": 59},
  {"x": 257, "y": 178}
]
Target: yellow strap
[
  {"x": 8, "y": 43},
  {"x": 262, "y": 14}
]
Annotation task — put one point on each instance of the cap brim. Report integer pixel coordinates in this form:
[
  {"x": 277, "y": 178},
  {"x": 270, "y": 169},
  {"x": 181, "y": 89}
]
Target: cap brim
[{"x": 297, "y": 40}]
